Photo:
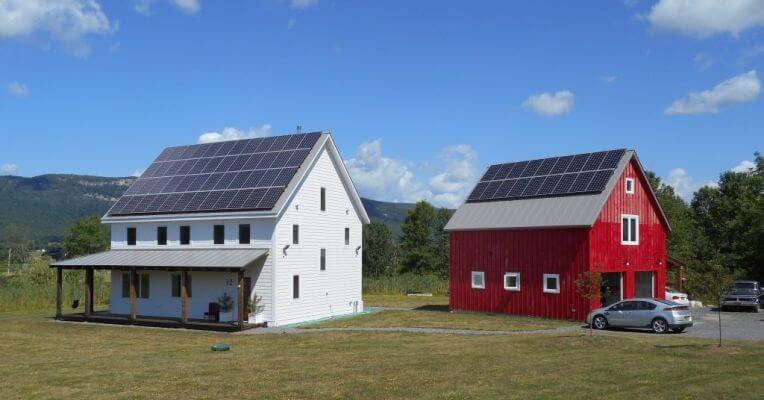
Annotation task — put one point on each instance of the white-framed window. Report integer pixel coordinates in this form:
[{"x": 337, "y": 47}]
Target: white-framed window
[
  {"x": 629, "y": 229},
  {"x": 512, "y": 281},
  {"x": 478, "y": 280},
  {"x": 629, "y": 185},
  {"x": 551, "y": 283}
]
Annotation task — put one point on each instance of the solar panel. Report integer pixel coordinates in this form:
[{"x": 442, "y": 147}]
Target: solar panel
[
  {"x": 248, "y": 174},
  {"x": 554, "y": 176}
]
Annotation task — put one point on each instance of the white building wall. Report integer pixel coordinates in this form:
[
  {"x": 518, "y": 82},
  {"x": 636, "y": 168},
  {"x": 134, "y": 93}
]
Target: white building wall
[{"x": 332, "y": 292}]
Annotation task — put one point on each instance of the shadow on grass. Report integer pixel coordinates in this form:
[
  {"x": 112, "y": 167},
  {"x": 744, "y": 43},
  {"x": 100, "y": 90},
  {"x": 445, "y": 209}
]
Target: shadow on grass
[
  {"x": 434, "y": 307},
  {"x": 682, "y": 346}
]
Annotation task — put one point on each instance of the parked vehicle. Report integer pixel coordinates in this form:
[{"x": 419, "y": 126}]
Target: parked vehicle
[
  {"x": 657, "y": 314},
  {"x": 677, "y": 296},
  {"x": 743, "y": 295}
]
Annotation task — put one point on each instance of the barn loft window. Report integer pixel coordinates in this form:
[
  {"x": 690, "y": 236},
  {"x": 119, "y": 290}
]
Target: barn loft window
[
  {"x": 244, "y": 233},
  {"x": 176, "y": 285},
  {"x": 219, "y": 234},
  {"x": 478, "y": 280},
  {"x": 185, "y": 235},
  {"x": 629, "y": 186},
  {"x": 131, "y": 236},
  {"x": 629, "y": 229},
  {"x": 323, "y": 199},
  {"x": 512, "y": 281},
  {"x": 551, "y": 283},
  {"x": 295, "y": 234},
  {"x": 161, "y": 235}
]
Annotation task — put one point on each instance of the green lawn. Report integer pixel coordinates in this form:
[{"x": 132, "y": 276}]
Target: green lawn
[
  {"x": 441, "y": 318},
  {"x": 399, "y": 301},
  {"x": 45, "y": 359}
]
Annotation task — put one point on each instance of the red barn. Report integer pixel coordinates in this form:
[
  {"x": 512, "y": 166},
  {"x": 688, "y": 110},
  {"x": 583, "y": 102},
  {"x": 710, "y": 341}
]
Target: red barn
[{"x": 530, "y": 228}]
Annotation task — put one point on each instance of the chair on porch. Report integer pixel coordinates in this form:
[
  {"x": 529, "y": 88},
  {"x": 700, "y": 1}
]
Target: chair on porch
[{"x": 213, "y": 312}]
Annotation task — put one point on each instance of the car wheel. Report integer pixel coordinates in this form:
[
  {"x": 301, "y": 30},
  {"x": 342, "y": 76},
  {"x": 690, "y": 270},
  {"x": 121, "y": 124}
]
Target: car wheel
[
  {"x": 755, "y": 309},
  {"x": 659, "y": 325},
  {"x": 599, "y": 322},
  {"x": 677, "y": 330}
]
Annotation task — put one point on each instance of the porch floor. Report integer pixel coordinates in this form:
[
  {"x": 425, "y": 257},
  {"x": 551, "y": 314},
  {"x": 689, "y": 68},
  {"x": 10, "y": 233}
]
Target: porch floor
[{"x": 106, "y": 317}]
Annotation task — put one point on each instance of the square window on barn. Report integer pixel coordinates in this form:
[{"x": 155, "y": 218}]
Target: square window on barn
[
  {"x": 219, "y": 234},
  {"x": 161, "y": 235},
  {"x": 244, "y": 233},
  {"x": 176, "y": 285},
  {"x": 512, "y": 281},
  {"x": 295, "y": 234},
  {"x": 478, "y": 280},
  {"x": 296, "y": 286},
  {"x": 185, "y": 235},
  {"x": 131, "y": 236},
  {"x": 323, "y": 259},
  {"x": 629, "y": 186},
  {"x": 551, "y": 283},
  {"x": 629, "y": 229}
]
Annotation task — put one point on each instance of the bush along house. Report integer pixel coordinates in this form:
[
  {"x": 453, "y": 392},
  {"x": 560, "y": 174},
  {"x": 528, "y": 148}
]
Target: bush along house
[
  {"x": 530, "y": 229},
  {"x": 208, "y": 228}
]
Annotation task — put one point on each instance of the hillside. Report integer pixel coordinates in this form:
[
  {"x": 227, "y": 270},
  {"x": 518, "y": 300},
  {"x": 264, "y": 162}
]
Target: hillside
[{"x": 44, "y": 206}]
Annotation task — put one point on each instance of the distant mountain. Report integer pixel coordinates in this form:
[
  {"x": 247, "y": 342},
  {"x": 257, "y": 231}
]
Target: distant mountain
[{"x": 43, "y": 207}]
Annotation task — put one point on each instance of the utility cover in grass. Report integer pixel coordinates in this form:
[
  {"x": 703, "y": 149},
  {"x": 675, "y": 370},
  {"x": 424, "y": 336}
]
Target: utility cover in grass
[{"x": 220, "y": 347}]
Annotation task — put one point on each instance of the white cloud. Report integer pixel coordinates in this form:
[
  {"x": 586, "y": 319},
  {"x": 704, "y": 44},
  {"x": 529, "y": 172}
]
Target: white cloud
[
  {"x": 187, "y": 6},
  {"x": 703, "y": 61},
  {"x": 704, "y": 18},
  {"x": 303, "y": 4},
  {"x": 683, "y": 184},
  {"x": 9, "y": 169},
  {"x": 17, "y": 89},
  {"x": 550, "y": 105},
  {"x": 744, "y": 166},
  {"x": 137, "y": 173},
  {"x": 609, "y": 79},
  {"x": 450, "y": 187},
  {"x": 230, "y": 133},
  {"x": 67, "y": 21},
  {"x": 743, "y": 88}
]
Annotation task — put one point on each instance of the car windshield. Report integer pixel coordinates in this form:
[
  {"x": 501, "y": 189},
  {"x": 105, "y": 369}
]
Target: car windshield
[{"x": 744, "y": 287}]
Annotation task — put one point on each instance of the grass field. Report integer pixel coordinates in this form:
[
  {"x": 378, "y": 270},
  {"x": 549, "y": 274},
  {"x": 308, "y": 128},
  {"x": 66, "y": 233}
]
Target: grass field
[
  {"x": 398, "y": 301},
  {"x": 46, "y": 359}
]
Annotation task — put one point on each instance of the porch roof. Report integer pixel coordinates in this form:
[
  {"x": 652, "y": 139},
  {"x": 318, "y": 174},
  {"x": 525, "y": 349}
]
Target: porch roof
[{"x": 167, "y": 259}]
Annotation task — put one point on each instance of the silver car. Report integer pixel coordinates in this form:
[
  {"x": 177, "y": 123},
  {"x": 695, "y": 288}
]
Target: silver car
[{"x": 656, "y": 314}]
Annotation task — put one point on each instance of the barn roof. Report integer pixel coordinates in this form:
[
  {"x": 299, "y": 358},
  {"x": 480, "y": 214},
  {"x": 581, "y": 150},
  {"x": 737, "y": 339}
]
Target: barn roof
[{"x": 551, "y": 211}]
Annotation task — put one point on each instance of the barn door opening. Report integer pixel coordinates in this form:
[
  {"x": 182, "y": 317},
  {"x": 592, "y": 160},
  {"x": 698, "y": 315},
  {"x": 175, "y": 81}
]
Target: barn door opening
[
  {"x": 611, "y": 290},
  {"x": 643, "y": 284}
]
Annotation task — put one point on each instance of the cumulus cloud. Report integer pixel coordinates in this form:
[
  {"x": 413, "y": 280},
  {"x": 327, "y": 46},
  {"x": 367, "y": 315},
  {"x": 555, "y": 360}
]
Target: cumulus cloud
[
  {"x": 17, "y": 89},
  {"x": 609, "y": 79},
  {"x": 187, "y": 6},
  {"x": 704, "y": 18},
  {"x": 303, "y": 4},
  {"x": 743, "y": 88},
  {"x": 450, "y": 187},
  {"x": 66, "y": 21},
  {"x": 744, "y": 166},
  {"x": 9, "y": 169},
  {"x": 550, "y": 105},
  {"x": 230, "y": 133},
  {"x": 684, "y": 185}
]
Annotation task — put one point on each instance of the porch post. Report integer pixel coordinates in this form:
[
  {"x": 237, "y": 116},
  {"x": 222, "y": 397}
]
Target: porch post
[
  {"x": 183, "y": 297},
  {"x": 133, "y": 295},
  {"x": 59, "y": 290},
  {"x": 88, "y": 292},
  {"x": 240, "y": 299}
]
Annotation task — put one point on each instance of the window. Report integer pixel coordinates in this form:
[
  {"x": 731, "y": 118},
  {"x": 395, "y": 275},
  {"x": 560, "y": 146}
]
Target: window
[
  {"x": 296, "y": 286},
  {"x": 176, "y": 285},
  {"x": 295, "y": 234},
  {"x": 219, "y": 234},
  {"x": 162, "y": 235},
  {"x": 512, "y": 281},
  {"x": 629, "y": 229},
  {"x": 347, "y": 236},
  {"x": 141, "y": 289},
  {"x": 185, "y": 235},
  {"x": 323, "y": 199},
  {"x": 478, "y": 280},
  {"x": 551, "y": 283},
  {"x": 629, "y": 186},
  {"x": 131, "y": 236},
  {"x": 646, "y": 306},
  {"x": 323, "y": 259},
  {"x": 244, "y": 233},
  {"x": 125, "y": 284}
]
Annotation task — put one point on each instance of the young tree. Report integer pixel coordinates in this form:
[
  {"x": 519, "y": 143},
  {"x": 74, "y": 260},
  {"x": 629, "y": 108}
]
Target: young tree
[
  {"x": 417, "y": 242},
  {"x": 713, "y": 283},
  {"x": 589, "y": 286},
  {"x": 86, "y": 236},
  {"x": 441, "y": 241},
  {"x": 378, "y": 250}
]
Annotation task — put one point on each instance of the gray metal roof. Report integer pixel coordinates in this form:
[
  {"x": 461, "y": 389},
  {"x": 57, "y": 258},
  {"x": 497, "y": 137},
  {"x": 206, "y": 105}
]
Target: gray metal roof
[
  {"x": 168, "y": 258},
  {"x": 546, "y": 212}
]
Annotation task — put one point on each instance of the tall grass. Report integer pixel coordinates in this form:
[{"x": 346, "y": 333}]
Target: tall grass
[
  {"x": 33, "y": 287},
  {"x": 405, "y": 283}
]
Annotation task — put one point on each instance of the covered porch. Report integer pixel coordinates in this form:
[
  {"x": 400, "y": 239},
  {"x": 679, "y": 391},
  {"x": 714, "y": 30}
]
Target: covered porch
[{"x": 131, "y": 263}]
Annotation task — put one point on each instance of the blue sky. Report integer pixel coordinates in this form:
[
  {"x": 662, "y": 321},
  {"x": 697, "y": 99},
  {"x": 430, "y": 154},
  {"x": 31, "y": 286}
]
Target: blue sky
[{"x": 420, "y": 96}]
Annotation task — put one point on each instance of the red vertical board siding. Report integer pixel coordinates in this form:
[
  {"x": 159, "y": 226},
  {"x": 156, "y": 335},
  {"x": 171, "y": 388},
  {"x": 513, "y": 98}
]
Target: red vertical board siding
[
  {"x": 606, "y": 251},
  {"x": 564, "y": 251}
]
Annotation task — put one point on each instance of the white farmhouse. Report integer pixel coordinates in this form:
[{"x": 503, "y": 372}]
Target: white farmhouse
[{"x": 276, "y": 218}]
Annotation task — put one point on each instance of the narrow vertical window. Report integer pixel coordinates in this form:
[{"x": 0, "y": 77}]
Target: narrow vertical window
[
  {"x": 295, "y": 234},
  {"x": 323, "y": 259},
  {"x": 162, "y": 235},
  {"x": 629, "y": 229},
  {"x": 219, "y": 234},
  {"x": 176, "y": 285},
  {"x": 629, "y": 186},
  {"x": 323, "y": 199},
  {"x": 131, "y": 236},
  {"x": 143, "y": 287},
  {"x": 185, "y": 235},
  {"x": 244, "y": 233},
  {"x": 347, "y": 236},
  {"x": 125, "y": 284},
  {"x": 296, "y": 286}
]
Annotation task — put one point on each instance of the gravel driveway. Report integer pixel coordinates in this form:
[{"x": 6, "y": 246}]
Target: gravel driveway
[{"x": 735, "y": 325}]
